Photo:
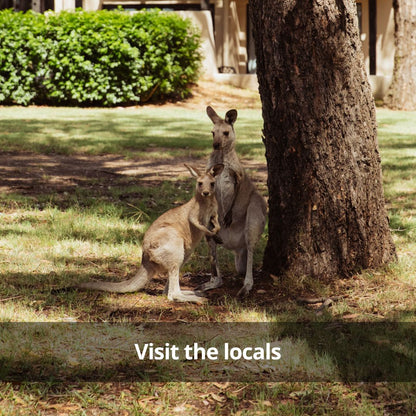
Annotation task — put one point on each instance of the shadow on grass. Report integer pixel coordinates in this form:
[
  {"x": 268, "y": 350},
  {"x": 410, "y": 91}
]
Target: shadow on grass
[
  {"x": 354, "y": 352},
  {"x": 398, "y": 142},
  {"x": 153, "y": 197},
  {"x": 103, "y": 135},
  {"x": 405, "y": 166},
  {"x": 116, "y": 133},
  {"x": 66, "y": 182}
]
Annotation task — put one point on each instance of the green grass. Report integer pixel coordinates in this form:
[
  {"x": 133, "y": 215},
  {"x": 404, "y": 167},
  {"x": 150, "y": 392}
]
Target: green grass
[
  {"x": 139, "y": 132},
  {"x": 397, "y": 138},
  {"x": 93, "y": 231},
  {"x": 51, "y": 239}
]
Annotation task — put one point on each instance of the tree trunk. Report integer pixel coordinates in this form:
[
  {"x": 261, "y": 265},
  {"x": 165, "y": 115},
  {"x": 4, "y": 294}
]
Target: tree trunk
[
  {"x": 327, "y": 214},
  {"x": 402, "y": 91}
]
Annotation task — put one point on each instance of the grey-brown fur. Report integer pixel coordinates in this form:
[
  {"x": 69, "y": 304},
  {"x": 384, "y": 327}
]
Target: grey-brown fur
[{"x": 241, "y": 209}]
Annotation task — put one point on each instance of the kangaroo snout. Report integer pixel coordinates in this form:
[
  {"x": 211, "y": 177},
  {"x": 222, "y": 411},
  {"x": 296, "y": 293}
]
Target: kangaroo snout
[
  {"x": 216, "y": 146},
  {"x": 206, "y": 193}
]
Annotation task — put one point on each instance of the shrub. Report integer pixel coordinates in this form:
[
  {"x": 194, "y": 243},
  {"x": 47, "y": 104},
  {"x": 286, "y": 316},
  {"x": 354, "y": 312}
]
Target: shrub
[{"x": 96, "y": 58}]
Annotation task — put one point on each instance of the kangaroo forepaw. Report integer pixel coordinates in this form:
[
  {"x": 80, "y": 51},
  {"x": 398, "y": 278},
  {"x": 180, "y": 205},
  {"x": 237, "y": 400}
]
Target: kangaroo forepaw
[
  {"x": 212, "y": 284},
  {"x": 217, "y": 239}
]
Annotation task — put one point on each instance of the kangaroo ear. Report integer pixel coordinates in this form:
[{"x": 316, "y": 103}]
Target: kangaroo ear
[
  {"x": 231, "y": 116},
  {"x": 215, "y": 118},
  {"x": 216, "y": 169},
  {"x": 194, "y": 171}
]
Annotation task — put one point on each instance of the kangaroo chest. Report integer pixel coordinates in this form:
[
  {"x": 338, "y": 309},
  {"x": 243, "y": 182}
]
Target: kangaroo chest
[
  {"x": 225, "y": 191},
  {"x": 205, "y": 216}
]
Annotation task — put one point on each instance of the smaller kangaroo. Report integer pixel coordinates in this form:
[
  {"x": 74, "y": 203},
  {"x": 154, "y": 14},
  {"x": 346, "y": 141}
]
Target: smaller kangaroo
[{"x": 171, "y": 239}]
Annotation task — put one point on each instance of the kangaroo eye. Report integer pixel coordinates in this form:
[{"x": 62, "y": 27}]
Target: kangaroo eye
[
  {"x": 212, "y": 184},
  {"x": 199, "y": 183},
  {"x": 226, "y": 133}
]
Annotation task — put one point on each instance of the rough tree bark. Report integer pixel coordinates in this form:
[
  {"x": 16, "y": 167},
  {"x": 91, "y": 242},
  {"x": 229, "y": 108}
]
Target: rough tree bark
[
  {"x": 327, "y": 213},
  {"x": 402, "y": 92}
]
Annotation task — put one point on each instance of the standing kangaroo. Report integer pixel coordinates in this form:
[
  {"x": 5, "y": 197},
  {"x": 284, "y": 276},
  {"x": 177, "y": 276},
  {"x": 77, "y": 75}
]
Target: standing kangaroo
[
  {"x": 241, "y": 209},
  {"x": 172, "y": 238}
]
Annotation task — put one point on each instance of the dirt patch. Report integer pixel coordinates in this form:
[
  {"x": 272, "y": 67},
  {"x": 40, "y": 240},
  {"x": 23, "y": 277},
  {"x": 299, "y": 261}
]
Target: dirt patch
[
  {"x": 220, "y": 96},
  {"x": 34, "y": 174}
]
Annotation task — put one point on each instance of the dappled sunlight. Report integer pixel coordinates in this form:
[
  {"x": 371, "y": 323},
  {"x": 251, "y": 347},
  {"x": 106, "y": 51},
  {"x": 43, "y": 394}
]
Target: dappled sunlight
[
  {"x": 72, "y": 216},
  {"x": 17, "y": 312},
  {"x": 397, "y": 138},
  {"x": 119, "y": 131},
  {"x": 80, "y": 188},
  {"x": 81, "y": 214}
]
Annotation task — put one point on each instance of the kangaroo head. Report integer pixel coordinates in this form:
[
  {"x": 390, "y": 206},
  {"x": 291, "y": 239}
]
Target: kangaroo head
[
  {"x": 223, "y": 131},
  {"x": 205, "y": 182}
]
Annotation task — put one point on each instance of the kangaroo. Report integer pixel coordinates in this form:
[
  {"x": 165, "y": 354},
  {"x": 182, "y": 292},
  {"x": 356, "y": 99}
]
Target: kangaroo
[
  {"x": 171, "y": 239},
  {"x": 241, "y": 209}
]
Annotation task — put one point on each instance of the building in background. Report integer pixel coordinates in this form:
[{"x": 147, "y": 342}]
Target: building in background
[{"x": 376, "y": 22}]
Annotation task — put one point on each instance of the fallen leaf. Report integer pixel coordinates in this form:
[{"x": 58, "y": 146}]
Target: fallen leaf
[
  {"x": 274, "y": 278},
  {"x": 180, "y": 409},
  {"x": 221, "y": 386},
  {"x": 217, "y": 398},
  {"x": 351, "y": 316}
]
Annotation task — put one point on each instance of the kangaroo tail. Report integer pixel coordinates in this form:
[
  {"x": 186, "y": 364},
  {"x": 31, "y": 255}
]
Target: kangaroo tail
[{"x": 134, "y": 284}]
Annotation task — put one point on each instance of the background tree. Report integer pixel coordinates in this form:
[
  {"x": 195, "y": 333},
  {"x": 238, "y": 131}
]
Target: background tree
[
  {"x": 327, "y": 212},
  {"x": 402, "y": 92}
]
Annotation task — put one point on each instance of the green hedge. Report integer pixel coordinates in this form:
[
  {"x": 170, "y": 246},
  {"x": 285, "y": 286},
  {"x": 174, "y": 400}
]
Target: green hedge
[{"x": 96, "y": 58}]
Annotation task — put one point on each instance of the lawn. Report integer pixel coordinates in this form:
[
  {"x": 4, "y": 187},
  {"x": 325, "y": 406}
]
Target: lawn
[
  {"x": 79, "y": 189},
  {"x": 136, "y": 132}
]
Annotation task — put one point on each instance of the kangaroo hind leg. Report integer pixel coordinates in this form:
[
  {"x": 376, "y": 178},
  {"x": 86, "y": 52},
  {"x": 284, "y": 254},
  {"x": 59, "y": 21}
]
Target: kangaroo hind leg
[
  {"x": 255, "y": 222},
  {"x": 216, "y": 279},
  {"x": 240, "y": 260},
  {"x": 176, "y": 294},
  {"x": 184, "y": 292},
  {"x": 248, "y": 279},
  {"x": 168, "y": 252}
]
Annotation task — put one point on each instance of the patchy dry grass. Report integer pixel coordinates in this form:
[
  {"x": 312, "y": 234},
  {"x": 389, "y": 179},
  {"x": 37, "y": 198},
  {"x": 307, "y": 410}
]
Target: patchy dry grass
[{"x": 57, "y": 230}]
